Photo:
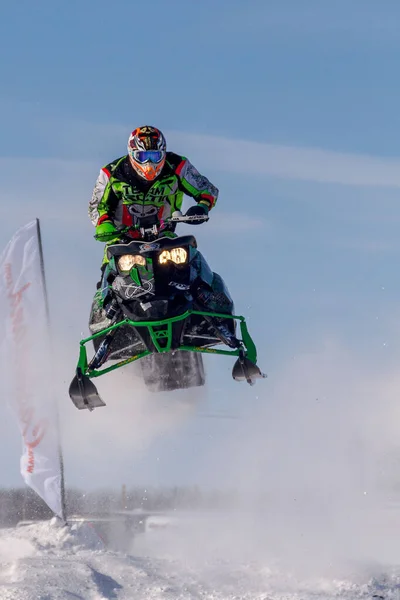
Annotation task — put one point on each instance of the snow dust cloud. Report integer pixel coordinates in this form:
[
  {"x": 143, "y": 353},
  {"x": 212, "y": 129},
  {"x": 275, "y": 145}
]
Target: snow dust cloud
[{"x": 314, "y": 471}]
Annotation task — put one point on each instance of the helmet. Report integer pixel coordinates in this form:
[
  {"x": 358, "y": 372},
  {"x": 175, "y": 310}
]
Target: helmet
[{"x": 147, "y": 151}]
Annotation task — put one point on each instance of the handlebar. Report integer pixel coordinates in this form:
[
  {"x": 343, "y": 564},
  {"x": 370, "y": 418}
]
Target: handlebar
[{"x": 178, "y": 217}]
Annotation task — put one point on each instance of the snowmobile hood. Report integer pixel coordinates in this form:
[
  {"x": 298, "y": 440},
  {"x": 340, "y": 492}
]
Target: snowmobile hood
[{"x": 141, "y": 247}]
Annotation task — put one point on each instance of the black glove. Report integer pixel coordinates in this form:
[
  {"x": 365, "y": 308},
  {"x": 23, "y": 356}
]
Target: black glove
[{"x": 199, "y": 210}]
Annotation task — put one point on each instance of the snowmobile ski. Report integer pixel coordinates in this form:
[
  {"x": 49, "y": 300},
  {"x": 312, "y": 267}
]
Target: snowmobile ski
[
  {"x": 245, "y": 370},
  {"x": 83, "y": 392}
]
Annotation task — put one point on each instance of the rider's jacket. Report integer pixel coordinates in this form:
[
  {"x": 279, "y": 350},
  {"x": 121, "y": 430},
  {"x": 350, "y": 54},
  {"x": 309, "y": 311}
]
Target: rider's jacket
[{"x": 121, "y": 196}]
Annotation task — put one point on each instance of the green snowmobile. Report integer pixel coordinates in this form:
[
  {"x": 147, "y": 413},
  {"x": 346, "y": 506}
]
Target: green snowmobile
[{"x": 160, "y": 303}]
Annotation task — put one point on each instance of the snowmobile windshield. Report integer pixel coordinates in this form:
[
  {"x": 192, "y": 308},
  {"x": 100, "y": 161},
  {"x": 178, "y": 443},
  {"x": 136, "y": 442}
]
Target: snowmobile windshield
[{"x": 144, "y": 156}]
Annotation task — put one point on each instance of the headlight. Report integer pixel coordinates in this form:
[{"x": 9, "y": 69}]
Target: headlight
[
  {"x": 128, "y": 261},
  {"x": 176, "y": 255}
]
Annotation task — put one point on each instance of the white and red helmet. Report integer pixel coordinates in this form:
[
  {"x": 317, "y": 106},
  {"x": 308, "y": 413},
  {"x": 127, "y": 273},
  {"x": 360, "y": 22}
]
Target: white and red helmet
[{"x": 147, "y": 151}]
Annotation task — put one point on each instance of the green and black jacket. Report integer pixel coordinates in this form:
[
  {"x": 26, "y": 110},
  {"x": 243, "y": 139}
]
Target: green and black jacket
[{"x": 121, "y": 196}]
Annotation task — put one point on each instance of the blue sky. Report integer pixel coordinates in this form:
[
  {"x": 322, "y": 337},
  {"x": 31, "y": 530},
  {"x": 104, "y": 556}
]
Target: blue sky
[
  {"x": 290, "y": 108},
  {"x": 307, "y": 73}
]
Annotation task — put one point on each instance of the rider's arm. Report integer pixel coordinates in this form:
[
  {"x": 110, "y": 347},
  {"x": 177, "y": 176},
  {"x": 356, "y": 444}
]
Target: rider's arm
[
  {"x": 102, "y": 204},
  {"x": 193, "y": 184}
]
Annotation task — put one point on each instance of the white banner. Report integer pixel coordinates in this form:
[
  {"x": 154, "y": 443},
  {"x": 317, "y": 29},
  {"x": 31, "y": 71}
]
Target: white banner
[{"x": 25, "y": 363}]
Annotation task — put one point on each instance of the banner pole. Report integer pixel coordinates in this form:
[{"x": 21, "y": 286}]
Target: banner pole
[{"x": 46, "y": 301}]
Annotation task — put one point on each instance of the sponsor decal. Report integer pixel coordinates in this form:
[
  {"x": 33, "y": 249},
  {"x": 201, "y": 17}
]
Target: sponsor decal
[
  {"x": 150, "y": 247},
  {"x": 139, "y": 211},
  {"x": 179, "y": 286},
  {"x": 129, "y": 360},
  {"x": 131, "y": 290}
]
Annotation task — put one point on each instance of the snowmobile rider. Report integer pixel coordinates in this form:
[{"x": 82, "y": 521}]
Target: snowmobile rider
[
  {"x": 146, "y": 186},
  {"x": 146, "y": 182}
]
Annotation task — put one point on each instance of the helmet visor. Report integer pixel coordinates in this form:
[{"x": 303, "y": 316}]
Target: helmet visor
[{"x": 144, "y": 156}]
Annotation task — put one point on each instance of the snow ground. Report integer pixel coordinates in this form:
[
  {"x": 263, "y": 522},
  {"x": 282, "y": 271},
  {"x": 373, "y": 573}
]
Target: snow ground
[{"x": 46, "y": 562}]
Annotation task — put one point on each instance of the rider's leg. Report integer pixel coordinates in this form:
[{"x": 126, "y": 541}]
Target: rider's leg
[{"x": 98, "y": 318}]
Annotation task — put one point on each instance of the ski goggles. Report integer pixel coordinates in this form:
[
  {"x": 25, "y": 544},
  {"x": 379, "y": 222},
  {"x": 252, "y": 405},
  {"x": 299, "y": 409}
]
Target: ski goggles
[{"x": 144, "y": 156}]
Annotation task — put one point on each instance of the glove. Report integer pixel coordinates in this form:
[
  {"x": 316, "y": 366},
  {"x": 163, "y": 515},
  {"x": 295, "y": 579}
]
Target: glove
[
  {"x": 106, "y": 232},
  {"x": 197, "y": 210}
]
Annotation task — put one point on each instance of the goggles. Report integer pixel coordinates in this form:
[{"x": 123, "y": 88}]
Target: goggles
[{"x": 144, "y": 156}]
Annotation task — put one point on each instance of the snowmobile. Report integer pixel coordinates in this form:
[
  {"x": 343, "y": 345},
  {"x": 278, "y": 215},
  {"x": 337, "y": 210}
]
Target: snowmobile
[{"x": 159, "y": 303}]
